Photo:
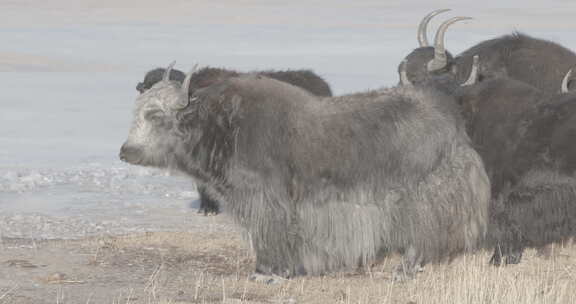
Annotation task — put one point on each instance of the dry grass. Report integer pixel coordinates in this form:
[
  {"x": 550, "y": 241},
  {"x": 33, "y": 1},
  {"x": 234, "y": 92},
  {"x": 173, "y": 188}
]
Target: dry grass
[
  {"x": 213, "y": 267},
  {"x": 221, "y": 277}
]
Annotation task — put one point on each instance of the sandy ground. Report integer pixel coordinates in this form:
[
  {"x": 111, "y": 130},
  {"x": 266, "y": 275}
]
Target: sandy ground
[{"x": 213, "y": 266}]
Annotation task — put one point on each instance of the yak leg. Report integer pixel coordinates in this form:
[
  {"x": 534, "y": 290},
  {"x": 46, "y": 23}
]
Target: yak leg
[
  {"x": 514, "y": 257},
  {"x": 544, "y": 251},
  {"x": 411, "y": 264},
  {"x": 266, "y": 279},
  {"x": 496, "y": 258},
  {"x": 208, "y": 205},
  {"x": 511, "y": 256}
]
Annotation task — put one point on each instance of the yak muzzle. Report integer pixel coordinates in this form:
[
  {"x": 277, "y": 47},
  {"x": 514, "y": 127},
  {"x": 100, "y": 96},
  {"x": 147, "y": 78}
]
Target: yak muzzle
[
  {"x": 130, "y": 154},
  {"x": 140, "y": 87}
]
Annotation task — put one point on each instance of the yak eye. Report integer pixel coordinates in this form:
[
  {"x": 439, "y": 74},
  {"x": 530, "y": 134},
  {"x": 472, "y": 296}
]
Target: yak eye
[{"x": 154, "y": 115}]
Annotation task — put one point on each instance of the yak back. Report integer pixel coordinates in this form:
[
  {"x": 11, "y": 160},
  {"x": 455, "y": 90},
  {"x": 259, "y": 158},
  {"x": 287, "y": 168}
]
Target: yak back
[
  {"x": 537, "y": 62},
  {"x": 305, "y": 79},
  {"x": 287, "y": 136}
]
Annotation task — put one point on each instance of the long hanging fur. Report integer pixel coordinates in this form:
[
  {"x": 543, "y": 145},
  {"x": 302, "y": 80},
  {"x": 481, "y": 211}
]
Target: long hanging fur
[{"x": 540, "y": 210}]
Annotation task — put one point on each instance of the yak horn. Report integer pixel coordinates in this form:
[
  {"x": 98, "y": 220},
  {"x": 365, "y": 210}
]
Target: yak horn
[
  {"x": 565, "y": 82},
  {"x": 440, "y": 60},
  {"x": 186, "y": 84},
  {"x": 423, "y": 26},
  {"x": 403, "y": 76},
  {"x": 186, "y": 88},
  {"x": 473, "y": 73},
  {"x": 166, "y": 75}
]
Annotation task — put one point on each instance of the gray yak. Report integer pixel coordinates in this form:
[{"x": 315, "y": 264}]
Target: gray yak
[
  {"x": 537, "y": 62},
  {"x": 322, "y": 184},
  {"x": 304, "y": 79}
]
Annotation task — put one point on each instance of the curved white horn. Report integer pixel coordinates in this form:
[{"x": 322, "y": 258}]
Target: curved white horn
[
  {"x": 186, "y": 84},
  {"x": 440, "y": 60},
  {"x": 423, "y": 26},
  {"x": 166, "y": 75},
  {"x": 185, "y": 88},
  {"x": 473, "y": 77},
  {"x": 565, "y": 82}
]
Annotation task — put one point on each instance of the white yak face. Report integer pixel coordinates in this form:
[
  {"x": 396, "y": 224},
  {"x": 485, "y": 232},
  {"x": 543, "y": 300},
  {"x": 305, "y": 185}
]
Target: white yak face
[{"x": 154, "y": 137}]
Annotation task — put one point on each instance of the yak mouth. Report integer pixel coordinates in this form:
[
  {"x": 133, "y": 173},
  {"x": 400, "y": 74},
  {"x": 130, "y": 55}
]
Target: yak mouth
[{"x": 132, "y": 155}]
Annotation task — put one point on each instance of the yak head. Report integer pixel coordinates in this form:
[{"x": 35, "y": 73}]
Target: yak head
[
  {"x": 155, "y": 136},
  {"x": 426, "y": 60},
  {"x": 155, "y": 76},
  {"x": 445, "y": 82}
]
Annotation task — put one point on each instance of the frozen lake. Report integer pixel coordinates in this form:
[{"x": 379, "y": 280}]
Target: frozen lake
[{"x": 69, "y": 71}]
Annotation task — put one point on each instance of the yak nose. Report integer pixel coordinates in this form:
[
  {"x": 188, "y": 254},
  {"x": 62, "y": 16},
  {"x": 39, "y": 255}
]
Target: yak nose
[
  {"x": 128, "y": 153},
  {"x": 140, "y": 87}
]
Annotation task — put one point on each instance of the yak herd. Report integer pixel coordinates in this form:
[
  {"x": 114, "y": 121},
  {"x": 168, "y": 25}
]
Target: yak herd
[{"x": 467, "y": 152}]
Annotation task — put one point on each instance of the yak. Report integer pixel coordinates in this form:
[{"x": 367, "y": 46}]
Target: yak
[
  {"x": 526, "y": 140},
  {"x": 537, "y": 62},
  {"x": 306, "y": 79},
  {"x": 541, "y": 208},
  {"x": 322, "y": 184}
]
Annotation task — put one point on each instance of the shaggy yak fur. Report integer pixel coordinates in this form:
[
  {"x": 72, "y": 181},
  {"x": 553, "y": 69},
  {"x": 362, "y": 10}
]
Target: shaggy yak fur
[
  {"x": 304, "y": 79},
  {"x": 539, "y": 210},
  {"x": 322, "y": 184},
  {"x": 527, "y": 142},
  {"x": 537, "y": 62}
]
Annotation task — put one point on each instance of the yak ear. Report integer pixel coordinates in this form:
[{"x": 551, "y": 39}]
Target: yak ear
[{"x": 166, "y": 75}]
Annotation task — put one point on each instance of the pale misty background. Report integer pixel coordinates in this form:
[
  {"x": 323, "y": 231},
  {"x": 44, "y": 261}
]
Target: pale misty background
[{"x": 69, "y": 71}]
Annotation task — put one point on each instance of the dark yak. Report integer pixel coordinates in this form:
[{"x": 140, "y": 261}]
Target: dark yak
[
  {"x": 322, "y": 184},
  {"x": 526, "y": 140},
  {"x": 541, "y": 208},
  {"x": 304, "y": 79},
  {"x": 537, "y": 62}
]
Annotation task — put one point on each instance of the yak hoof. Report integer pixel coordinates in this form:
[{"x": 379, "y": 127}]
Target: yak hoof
[
  {"x": 403, "y": 276},
  {"x": 207, "y": 212},
  {"x": 411, "y": 264},
  {"x": 266, "y": 279},
  {"x": 404, "y": 272},
  {"x": 514, "y": 258},
  {"x": 496, "y": 260}
]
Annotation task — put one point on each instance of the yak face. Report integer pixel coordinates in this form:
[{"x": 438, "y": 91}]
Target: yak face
[
  {"x": 429, "y": 60},
  {"x": 154, "y": 76},
  {"x": 154, "y": 137}
]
